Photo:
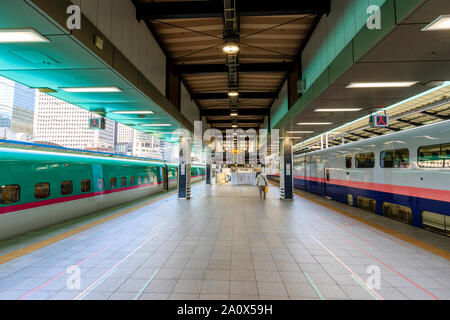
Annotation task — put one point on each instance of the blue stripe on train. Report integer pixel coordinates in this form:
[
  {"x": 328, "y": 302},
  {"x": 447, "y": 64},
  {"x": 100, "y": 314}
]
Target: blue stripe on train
[{"x": 339, "y": 193}]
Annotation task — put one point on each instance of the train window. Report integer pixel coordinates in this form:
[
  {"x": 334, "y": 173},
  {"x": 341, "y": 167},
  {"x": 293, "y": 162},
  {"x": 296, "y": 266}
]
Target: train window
[
  {"x": 10, "y": 194},
  {"x": 100, "y": 184},
  {"x": 394, "y": 158},
  {"x": 350, "y": 199},
  {"x": 446, "y": 154},
  {"x": 132, "y": 180},
  {"x": 348, "y": 161},
  {"x": 123, "y": 181},
  {"x": 85, "y": 185},
  {"x": 435, "y": 156},
  {"x": 397, "y": 212},
  {"x": 436, "y": 222},
  {"x": 366, "y": 204},
  {"x": 145, "y": 179},
  {"x": 66, "y": 187},
  {"x": 113, "y": 182},
  {"x": 42, "y": 190},
  {"x": 139, "y": 180},
  {"x": 365, "y": 160}
]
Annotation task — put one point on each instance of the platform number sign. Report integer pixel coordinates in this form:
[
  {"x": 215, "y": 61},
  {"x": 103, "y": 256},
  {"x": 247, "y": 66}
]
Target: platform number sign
[
  {"x": 97, "y": 123},
  {"x": 380, "y": 121}
]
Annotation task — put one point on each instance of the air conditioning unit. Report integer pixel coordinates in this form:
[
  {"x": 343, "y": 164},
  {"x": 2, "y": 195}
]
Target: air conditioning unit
[{"x": 301, "y": 86}]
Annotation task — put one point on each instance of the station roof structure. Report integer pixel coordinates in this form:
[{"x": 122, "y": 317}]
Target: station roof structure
[
  {"x": 270, "y": 35},
  {"x": 287, "y": 62}
]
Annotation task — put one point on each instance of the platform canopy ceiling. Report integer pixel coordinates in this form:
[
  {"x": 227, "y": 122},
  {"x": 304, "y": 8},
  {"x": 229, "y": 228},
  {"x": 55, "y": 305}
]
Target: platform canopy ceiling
[
  {"x": 64, "y": 62},
  {"x": 270, "y": 35},
  {"x": 405, "y": 54}
]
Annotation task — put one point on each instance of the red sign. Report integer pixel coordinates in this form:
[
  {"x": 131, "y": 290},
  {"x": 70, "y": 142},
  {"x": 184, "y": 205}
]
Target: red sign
[{"x": 380, "y": 121}]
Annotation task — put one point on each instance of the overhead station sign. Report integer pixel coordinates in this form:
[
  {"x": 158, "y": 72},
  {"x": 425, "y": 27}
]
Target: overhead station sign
[
  {"x": 379, "y": 121},
  {"x": 97, "y": 123}
]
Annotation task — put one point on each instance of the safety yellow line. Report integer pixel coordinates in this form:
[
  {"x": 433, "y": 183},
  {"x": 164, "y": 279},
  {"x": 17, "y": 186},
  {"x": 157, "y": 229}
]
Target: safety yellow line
[
  {"x": 39, "y": 245},
  {"x": 425, "y": 246}
]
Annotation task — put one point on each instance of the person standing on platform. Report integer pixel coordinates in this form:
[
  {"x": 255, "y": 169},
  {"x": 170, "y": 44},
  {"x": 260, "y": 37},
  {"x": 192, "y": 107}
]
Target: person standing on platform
[{"x": 262, "y": 184}]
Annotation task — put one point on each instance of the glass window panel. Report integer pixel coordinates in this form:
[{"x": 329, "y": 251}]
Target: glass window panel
[
  {"x": 42, "y": 190},
  {"x": 430, "y": 157},
  {"x": 446, "y": 154},
  {"x": 348, "y": 161},
  {"x": 113, "y": 182},
  {"x": 401, "y": 158},
  {"x": 85, "y": 185},
  {"x": 365, "y": 160},
  {"x": 66, "y": 187},
  {"x": 10, "y": 194}
]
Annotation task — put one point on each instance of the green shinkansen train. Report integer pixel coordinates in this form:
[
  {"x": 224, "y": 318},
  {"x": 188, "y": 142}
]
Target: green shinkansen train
[{"x": 38, "y": 188}]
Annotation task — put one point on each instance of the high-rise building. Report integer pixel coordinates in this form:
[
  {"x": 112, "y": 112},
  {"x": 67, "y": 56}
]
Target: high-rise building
[
  {"x": 60, "y": 122},
  {"x": 16, "y": 106},
  {"x": 169, "y": 151},
  {"x": 146, "y": 146},
  {"x": 124, "y": 139}
]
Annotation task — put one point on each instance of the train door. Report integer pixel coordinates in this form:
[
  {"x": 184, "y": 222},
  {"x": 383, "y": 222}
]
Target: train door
[
  {"x": 304, "y": 173},
  {"x": 99, "y": 185},
  {"x": 309, "y": 173},
  {"x": 165, "y": 180},
  {"x": 326, "y": 174}
]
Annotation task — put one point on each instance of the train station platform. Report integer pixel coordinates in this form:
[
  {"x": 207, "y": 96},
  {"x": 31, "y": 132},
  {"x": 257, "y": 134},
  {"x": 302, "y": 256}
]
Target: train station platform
[{"x": 227, "y": 243}]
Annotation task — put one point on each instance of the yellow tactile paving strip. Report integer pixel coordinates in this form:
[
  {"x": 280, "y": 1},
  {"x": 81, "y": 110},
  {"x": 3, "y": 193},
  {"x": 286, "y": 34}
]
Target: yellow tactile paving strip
[
  {"x": 39, "y": 245},
  {"x": 425, "y": 246}
]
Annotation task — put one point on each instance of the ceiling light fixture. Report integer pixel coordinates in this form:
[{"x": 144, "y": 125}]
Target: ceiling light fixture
[
  {"x": 313, "y": 123},
  {"x": 133, "y": 112},
  {"x": 234, "y": 126},
  {"x": 337, "y": 109},
  {"x": 233, "y": 114},
  {"x": 231, "y": 47},
  {"x": 440, "y": 23},
  {"x": 21, "y": 35},
  {"x": 156, "y": 125},
  {"x": 233, "y": 94},
  {"x": 397, "y": 84},
  {"x": 92, "y": 89},
  {"x": 297, "y": 132}
]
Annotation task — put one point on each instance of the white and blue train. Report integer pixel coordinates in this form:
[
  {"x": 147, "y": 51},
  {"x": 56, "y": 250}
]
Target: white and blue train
[{"x": 404, "y": 175}]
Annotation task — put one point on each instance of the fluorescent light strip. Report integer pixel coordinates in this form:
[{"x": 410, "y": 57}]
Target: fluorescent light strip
[
  {"x": 337, "y": 109},
  {"x": 133, "y": 112},
  {"x": 404, "y": 84},
  {"x": 444, "y": 85},
  {"x": 313, "y": 123},
  {"x": 92, "y": 89},
  {"x": 21, "y": 35},
  {"x": 298, "y": 132},
  {"x": 156, "y": 125},
  {"x": 440, "y": 23}
]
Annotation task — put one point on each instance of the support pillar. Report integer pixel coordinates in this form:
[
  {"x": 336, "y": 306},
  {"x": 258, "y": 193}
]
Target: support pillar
[
  {"x": 286, "y": 177},
  {"x": 208, "y": 173},
  {"x": 184, "y": 169}
]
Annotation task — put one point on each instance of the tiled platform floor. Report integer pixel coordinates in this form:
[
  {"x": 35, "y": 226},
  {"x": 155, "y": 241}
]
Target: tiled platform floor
[{"x": 226, "y": 243}]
